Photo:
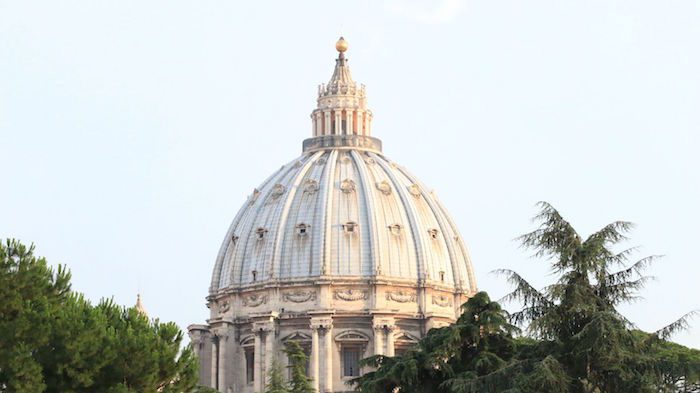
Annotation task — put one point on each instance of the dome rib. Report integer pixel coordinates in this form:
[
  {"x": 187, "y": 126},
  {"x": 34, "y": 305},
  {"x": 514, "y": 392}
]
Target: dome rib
[
  {"x": 418, "y": 246},
  {"x": 327, "y": 208},
  {"x": 281, "y": 231},
  {"x": 375, "y": 256},
  {"x": 442, "y": 218}
]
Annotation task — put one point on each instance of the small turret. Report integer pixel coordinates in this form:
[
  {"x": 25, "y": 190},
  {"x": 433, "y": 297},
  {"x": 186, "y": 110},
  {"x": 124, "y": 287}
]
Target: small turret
[{"x": 139, "y": 305}]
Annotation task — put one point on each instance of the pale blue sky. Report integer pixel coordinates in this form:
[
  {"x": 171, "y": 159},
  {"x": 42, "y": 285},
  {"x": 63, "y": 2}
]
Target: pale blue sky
[{"x": 132, "y": 131}]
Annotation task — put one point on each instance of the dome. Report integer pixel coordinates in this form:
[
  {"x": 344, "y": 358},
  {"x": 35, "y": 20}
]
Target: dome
[
  {"x": 341, "y": 250},
  {"x": 342, "y": 213}
]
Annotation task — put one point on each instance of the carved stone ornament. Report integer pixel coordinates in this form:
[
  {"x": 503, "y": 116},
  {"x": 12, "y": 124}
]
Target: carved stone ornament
[
  {"x": 254, "y": 300},
  {"x": 369, "y": 161},
  {"x": 401, "y": 296},
  {"x": 297, "y": 164},
  {"x": 321, "y": 323},
  {"x": 254, "y": 196},
  {"x": 224, "y": 306},
  {"x": 277, "y": 191},
  {"x": 299, "y": 296},
  {"x": 414, "y": 190},
  {"x": 442, "y": 301},
  {"x": 347, "y": 186},
  {"x": 384, "y": 187},
  {"x": 350, "y": 295},
  {"x": 321, "y": 161},
  {"x": 310, "y": 186}
]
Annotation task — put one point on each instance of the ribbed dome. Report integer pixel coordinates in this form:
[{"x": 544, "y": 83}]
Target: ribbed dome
[
  {"x": 342, "y": 213},
  {"x": 341, "y": 250}
]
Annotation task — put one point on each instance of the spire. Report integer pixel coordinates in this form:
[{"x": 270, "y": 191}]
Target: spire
[
  {"x": 341, "y": 116},
  {"x": 139, "y": 306},
  {"x": 341, "y": 74}
]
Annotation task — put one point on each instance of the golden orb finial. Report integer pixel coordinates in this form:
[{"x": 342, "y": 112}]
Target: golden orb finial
[{"x": 342, "y": 45}]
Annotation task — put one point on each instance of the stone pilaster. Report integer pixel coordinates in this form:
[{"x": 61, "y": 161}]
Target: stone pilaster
[
  {"x": 390, "y": 340},
  {"x": 313, "y": 361},
  {"x": 324, "y": 323}
]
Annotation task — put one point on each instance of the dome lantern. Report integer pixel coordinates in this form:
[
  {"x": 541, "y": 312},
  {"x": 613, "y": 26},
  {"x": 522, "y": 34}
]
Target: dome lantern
[{"x": 341, "y": 118}]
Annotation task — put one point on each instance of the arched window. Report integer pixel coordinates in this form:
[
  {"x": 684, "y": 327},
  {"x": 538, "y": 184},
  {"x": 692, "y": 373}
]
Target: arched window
[
  {"x": 352, "y": 347},
  {"x": 304, "y": 341},
  {"x": 248, "y": 345},
  {"x": 403, "y": 342}
]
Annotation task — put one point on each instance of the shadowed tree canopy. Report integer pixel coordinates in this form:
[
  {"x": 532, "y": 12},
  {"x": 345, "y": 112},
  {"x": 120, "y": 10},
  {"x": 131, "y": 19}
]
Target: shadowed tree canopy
[
  {"x": 53, "y": 340},
  {"x": 575, "y": 339}
]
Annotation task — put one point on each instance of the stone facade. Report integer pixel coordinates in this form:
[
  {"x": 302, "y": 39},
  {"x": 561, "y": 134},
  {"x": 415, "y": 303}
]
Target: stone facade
[{"x": 341, "y": 250}]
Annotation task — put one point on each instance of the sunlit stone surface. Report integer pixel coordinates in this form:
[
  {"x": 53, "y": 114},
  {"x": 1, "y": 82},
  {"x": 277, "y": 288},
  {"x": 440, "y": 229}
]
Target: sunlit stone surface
[{"x": 341, "y": 249}]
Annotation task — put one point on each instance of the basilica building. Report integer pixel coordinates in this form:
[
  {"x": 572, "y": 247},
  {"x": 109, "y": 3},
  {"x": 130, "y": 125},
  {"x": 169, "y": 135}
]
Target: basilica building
[{"x": 342, "y": 249}]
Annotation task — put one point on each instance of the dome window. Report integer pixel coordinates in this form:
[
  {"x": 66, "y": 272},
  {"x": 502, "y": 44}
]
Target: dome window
[
  {"x": 255, "y": 275},
  {"x": 395, "y": 229},
  {"x": 350, "y": 227},
  {"x": 433, "y": 233},
  {"x": 302, "y": 229},
  {"x": 260, "y": 233},
  {"x": 442, "y": 276},
  {"x": 234, "y": 239}
]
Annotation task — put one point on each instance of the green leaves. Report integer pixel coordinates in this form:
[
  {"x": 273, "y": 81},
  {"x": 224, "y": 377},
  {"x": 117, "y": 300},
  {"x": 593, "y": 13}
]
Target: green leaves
[
  {"x": 54, "y": 340},
  {"x": 577, "y": 340},
  {"x": 299, "y": 382}
]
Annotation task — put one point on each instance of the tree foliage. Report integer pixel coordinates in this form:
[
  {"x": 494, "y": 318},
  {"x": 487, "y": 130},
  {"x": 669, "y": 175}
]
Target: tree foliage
[
  {"x": 276, "y": 383},
  {"x": 299, "y": 382},
  {"x": 54, "y": 340},
  {"x": 575, "y": 339}
]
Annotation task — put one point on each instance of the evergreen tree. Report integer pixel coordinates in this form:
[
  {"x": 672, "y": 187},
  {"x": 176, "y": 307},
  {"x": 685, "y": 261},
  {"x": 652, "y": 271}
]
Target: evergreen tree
[
  {"x": 276, "y": 382},
  {"x": 576, "y": 317},
  {"x": 475, "y": 354},
  {"x": 54, "y": 340},
  {"x": 299, "y": 382},
  {"x": 576, "y": 342}
]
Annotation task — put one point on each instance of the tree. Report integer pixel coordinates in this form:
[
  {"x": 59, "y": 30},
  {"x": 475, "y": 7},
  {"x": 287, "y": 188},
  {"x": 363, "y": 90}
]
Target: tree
[
  {"x": 54, "y": 340},
  {"x": 576, "y": 317},
  {"x": 464, "y": 357},
  {"x": 276, "y": 382},
  {"x": 576, "y": 341},
  {"x": 299, "y": 382}
]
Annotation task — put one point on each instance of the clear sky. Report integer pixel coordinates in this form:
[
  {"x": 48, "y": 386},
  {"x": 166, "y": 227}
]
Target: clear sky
[{"x": 132, "y": 131}]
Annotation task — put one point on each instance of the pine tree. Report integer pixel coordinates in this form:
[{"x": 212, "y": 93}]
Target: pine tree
[
  {"x": 276, "y": 382},
  {"x": 54, "y": 340},
  {"x": 576, "y": 318},
  {"x": 299, "y": 382}
]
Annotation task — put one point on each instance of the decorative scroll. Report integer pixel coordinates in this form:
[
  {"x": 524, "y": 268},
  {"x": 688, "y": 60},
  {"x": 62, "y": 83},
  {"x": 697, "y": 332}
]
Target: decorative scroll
[
  {"x": 299, "y": 296},
  {"x": 310, "y": 186},
  {"x": 384, "y": 187},
  {"x": 442, "y": 301},
  {"x": 350, "y": 295},
  {"x": 254, "y": 300},
  {"x": 347, "y": 186},
  {"x": 401, "y": 296},
  {"x": 414, "y": 190}
]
